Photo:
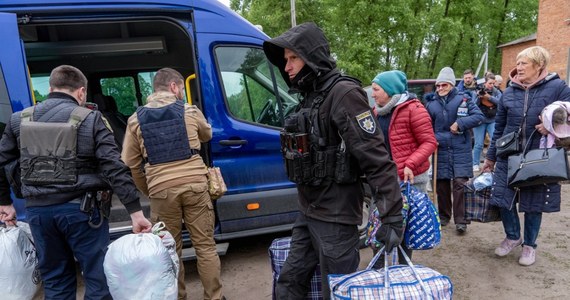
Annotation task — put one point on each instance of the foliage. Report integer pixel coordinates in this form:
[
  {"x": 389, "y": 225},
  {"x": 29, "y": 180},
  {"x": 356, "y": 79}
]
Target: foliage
[{"x": 416, "y": 36}]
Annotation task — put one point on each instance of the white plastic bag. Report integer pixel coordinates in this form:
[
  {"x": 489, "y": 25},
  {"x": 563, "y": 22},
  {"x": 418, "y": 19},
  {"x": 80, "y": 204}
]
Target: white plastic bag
[
  {"x": 143, "y": 266},
  {"x": 19, "y": 276}
]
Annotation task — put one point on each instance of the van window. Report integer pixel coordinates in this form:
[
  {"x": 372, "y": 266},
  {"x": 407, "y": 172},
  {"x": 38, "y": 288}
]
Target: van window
[
  {"x": 5, "y": 106},
  {"x": 249, "y": 89},
  {"x": 123, "y": 91},
  {"x": 145, "y": 84},
  {"x": 40, "y": 84}
]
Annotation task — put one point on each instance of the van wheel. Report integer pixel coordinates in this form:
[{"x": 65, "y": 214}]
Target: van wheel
[{"x": 363, "y": 228}]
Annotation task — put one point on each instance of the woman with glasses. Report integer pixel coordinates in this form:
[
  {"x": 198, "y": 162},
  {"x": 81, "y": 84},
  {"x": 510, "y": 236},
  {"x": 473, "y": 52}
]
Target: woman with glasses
[{"x": 453, "y": 114}]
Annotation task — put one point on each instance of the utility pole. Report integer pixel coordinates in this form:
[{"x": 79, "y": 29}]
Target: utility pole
[{"x": 293, "y": 19}]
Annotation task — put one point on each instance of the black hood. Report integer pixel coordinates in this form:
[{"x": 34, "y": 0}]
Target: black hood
[{"x": 309, "y": 42}]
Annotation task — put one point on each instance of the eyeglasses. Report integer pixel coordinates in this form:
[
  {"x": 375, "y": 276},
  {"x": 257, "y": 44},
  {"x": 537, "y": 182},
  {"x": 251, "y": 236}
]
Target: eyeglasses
[{"x": 441, "y": 86}]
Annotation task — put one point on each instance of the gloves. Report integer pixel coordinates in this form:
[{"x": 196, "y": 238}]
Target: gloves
[{"x": 390, "y": 235}]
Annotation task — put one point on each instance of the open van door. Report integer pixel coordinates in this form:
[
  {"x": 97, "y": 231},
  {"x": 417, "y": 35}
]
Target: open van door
[{"x": 14, "y": 84}]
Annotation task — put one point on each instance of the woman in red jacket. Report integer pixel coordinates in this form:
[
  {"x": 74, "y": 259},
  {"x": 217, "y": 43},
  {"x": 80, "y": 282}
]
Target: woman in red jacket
[{"x": 407, "y": 130}]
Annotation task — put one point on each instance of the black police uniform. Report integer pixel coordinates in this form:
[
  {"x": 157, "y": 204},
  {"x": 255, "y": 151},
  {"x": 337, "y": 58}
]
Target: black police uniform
[
  {"x": 331, "y": 204},
  {"x": 60, "y": 230}
]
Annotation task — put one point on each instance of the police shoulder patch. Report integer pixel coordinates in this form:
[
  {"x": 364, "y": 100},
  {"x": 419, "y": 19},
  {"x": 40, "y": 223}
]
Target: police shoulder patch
[
  {"x": 107, "y": 124},
  {"x": 366, "y": 122}
]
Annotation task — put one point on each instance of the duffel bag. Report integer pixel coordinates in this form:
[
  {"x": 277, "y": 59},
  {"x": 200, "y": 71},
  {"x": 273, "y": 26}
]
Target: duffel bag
[
  {"x": 393, "y": 282},
  {"x": 278, "y": 252}
]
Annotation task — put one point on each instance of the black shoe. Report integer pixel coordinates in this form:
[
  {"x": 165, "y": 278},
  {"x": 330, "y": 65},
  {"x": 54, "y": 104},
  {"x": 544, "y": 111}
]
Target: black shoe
[
  {"x": 461, "y": 228},
  {"x": 444, "y": 221}
]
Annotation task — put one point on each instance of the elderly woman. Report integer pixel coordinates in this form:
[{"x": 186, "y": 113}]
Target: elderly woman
[{"x": 532, "y": 88}]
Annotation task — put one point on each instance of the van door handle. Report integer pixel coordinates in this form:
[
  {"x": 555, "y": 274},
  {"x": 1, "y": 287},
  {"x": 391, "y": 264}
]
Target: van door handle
[{"x": 233, "y": 142}]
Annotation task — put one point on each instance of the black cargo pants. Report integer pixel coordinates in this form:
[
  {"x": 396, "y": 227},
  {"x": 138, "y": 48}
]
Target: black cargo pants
[{"x": 333, "y": 245}]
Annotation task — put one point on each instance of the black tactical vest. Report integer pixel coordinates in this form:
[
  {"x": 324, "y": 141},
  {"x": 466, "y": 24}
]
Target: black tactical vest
[
  {"x": 164, "y": 133},
  {"x": 48, "y": 150}
]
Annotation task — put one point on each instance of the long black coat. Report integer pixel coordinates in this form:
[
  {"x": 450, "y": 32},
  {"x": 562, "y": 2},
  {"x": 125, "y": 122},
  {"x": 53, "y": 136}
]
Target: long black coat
[{"x": 516, "y": 99}]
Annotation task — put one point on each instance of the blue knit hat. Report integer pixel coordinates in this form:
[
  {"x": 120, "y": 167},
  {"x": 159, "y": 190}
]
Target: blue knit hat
[{"x": 392, "y": 82}]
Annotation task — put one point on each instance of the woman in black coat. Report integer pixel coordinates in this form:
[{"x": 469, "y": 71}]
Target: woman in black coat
[{"x": 531, "y": 89}]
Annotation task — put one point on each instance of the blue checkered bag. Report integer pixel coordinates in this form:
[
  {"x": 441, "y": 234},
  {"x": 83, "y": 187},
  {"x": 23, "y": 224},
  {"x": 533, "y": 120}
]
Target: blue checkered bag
[
  {"x": 423, "y": 229},
  {"x": 374, "y": 224},
  {"x": 394, "y": 282},
  {"x": 278, "y": 252},
  {"x": 477, "y": 203}
]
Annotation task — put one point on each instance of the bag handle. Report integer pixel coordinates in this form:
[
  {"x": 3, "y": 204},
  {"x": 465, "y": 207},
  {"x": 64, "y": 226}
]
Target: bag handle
[{"x": 387, "y": 271}]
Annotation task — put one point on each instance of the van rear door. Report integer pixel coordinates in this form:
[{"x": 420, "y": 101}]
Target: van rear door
[{"x": 14, "y": 84}]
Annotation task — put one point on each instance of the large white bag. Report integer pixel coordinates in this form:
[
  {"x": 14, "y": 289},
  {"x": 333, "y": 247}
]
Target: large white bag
[
  {"x": 19, "y": 276},
  {"x": 143, "y": 266}
]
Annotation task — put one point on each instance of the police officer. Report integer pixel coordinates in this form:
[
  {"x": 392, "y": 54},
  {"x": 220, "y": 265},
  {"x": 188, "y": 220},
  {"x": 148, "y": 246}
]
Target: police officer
[
  {"x": 343, "y": 142},
  {"x": 66, "y": 152},
  {"x": 165, "y": 136}
]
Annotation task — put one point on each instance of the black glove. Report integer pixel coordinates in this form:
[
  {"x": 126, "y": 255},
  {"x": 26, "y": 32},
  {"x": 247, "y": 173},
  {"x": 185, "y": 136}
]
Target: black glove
[{"x": 390, "y": 235}]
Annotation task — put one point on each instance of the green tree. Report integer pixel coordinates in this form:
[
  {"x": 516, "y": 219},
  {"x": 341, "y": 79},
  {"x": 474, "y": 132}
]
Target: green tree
[{"x": 417, "y": 36}]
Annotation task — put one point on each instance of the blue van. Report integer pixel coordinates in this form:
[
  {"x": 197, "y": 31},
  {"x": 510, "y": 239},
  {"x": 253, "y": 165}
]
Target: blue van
[{"x": 118, "y": 45}]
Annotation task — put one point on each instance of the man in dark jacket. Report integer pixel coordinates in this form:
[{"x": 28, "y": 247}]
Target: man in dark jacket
[
  {"x": 342, "y": 142},
  {"x": 61, "y": 231}
]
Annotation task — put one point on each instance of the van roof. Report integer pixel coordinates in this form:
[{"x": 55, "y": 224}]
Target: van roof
[{"x": 217, "y": 17}]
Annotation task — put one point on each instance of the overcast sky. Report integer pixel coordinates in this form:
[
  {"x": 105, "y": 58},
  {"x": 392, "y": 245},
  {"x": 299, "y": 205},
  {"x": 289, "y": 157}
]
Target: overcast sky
[{"x": 226, "y": 2}]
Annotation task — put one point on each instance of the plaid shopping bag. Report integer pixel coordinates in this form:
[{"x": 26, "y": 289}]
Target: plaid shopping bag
[
  {"x": 278, "y": 252},
  {"x": 477, "y": 206},
  {"x": 423, "y": 230}
]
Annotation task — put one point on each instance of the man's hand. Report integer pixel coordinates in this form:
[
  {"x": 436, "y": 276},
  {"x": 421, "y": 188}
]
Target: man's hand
[
  {"x": 140, "y": 223},
  {"x": 408, "y": 175},
  {"x": 8, "y": 214},
  {"x": 390, "y": 235}
]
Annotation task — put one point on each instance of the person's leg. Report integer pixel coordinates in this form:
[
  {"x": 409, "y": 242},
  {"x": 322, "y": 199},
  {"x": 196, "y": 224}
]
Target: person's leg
[
  {"x": 479, "y": 137},
  {"x": 338, "y": 250},
  {"x": 299, "y": 267},
  {"x": 459, "y": 204},
  {"x": 491, "y": 129},
  {"x": 89, "y": 246},
  {"x": 199, "y": 219},
  {"x": 532, "y": 223},
  {"x": 166, "y": 207},
  {"x": 55, "y": 259},
  {"x": 512, "y": 227},
  {"x": 444, "y": 200}
]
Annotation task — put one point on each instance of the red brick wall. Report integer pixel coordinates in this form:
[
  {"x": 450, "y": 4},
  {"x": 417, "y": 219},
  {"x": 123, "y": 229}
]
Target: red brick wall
[{"x": 553, "y": 33}]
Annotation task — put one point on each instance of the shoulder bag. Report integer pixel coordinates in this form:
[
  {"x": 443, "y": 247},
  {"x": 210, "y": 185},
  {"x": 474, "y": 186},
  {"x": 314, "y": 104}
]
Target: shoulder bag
[{"x": 537, "y": 166}]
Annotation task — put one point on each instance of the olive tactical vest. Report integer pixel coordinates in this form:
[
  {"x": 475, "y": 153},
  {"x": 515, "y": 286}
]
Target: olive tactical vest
[{"x": 48, "y": 150}]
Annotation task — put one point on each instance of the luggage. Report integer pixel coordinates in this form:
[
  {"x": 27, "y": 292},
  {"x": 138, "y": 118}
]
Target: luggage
[
  {"x": 278, "y": 252},
  {"x": 477, "y": 203},
  {"x": 423, "y": 229},
  {"x": 394, "y": 282}
]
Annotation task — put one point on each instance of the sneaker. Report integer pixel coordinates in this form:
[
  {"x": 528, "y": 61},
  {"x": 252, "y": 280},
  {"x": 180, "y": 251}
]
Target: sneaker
[
  {"x": 461, "y": 228},
  {"x": 443, "y": 221},
  {"x": 507, "y": 246},
  {"x": 476, "y": 168},
  {"x": 528, "y": 256}
]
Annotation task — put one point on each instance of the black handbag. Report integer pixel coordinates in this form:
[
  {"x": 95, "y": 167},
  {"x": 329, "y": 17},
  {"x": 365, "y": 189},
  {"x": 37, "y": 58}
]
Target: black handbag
[
  {"x": 508, "y": 144},
  {"x": 537, "y": 166}
]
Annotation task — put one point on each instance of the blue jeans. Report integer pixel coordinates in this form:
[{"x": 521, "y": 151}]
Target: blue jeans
[
  {"x": 512, "y": 225},
  {"x": 479, "y": 136},
  {"x": 61, "y": 235}
]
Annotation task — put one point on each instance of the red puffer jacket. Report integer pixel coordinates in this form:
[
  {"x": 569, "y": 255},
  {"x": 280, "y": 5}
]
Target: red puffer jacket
[{"x": 412, "y": 140}]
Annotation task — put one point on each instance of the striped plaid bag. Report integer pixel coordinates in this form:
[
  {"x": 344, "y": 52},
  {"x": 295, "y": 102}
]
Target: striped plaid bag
[
  {"x": 477, "y": 204},
  {"x": 278, "y": 252},
  {"x": 395, "y": 282},
  {"x": 423, "y": 230}
]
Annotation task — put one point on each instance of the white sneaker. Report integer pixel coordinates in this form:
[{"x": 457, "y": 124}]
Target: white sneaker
[
  {"x": 507, "y": 246},
  {"x": 528, "y": 256},
  {"x": 476, "y": 168}
]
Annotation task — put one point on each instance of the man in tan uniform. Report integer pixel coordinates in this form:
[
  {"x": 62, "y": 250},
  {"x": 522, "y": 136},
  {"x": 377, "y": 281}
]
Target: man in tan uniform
[{"x": 164, "y": 136}]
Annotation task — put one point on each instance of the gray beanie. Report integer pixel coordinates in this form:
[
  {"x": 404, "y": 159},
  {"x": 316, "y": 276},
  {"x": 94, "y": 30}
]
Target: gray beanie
[{"x": 446, "y": 75}]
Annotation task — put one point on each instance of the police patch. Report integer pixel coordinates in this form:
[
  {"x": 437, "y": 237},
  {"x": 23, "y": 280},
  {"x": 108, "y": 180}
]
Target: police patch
[{"x": 366, "y": 122}]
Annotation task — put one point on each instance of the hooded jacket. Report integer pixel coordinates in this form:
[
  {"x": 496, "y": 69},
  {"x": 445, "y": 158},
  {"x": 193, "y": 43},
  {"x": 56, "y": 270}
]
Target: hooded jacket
[{"x": 346, "y": 116}]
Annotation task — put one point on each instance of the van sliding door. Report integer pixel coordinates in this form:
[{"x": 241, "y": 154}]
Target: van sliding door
[{"x": 13, "y": 64}]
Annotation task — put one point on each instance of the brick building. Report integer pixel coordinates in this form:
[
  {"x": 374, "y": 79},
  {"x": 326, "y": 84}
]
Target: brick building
[{"x": 552, "y": 33}]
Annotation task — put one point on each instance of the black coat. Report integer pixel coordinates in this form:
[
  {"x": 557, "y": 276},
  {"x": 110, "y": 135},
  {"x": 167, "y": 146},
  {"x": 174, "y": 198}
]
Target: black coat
[{"x": 543, "y": 198}]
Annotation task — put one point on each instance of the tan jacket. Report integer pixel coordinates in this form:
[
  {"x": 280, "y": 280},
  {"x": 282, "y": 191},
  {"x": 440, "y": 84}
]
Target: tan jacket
[{"x": 161, "y": 176}]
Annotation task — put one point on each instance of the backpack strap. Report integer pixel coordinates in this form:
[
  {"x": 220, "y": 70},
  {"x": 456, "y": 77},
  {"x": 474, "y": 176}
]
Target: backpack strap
[{"x": 78, "y": 115}]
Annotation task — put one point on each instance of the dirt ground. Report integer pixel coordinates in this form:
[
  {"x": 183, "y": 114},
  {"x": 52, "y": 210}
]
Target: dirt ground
[{"x": 469, "y": 261}]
